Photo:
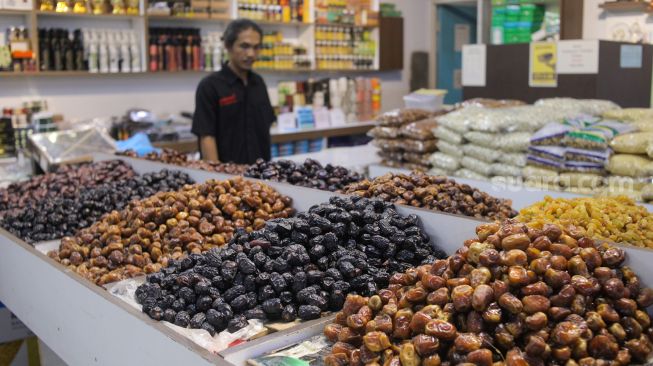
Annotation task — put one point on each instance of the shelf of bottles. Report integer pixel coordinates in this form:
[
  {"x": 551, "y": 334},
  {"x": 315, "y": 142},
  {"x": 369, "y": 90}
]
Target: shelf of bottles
[{"x": 62, "y": 37}]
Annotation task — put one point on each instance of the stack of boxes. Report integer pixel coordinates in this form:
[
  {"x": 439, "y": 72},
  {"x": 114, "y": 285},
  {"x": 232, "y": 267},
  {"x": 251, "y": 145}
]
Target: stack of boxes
[{"x": 514, "y": 21}]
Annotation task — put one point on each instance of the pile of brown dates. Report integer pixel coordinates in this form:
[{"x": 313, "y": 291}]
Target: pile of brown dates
[
  {"x": 514, "y": 296},
  {"x": 435, "y": 193},
  {"x": 143, "y": 237},
  {"x": 170, "y": 156}
]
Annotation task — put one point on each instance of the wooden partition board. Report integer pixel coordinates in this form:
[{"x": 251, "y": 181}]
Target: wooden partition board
[{"x": 507, "y": 74}]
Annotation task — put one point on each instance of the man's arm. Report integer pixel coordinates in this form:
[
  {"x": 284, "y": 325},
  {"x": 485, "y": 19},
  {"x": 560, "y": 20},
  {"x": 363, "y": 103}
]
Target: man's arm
[{"x": 209, "y": 148}]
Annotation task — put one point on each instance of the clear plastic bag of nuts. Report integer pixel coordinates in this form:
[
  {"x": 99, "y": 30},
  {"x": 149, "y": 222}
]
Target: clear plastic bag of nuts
[{"x": 398, "y": 117}]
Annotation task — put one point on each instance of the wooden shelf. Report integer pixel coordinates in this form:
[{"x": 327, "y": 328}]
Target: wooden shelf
[
  {"x": 86, "y": 15},
  {"x": 163, "y": 73},
  {"x": 344, "y": 25},
  {"x": 289, "y": 24},
  {"x": 178, "y": 18},
  {"x": 627, "y": 6},
  {"x": 15, "y": 12}
]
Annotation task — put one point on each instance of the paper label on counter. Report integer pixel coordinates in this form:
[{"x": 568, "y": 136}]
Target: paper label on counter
[
  {"x": 474, "y": 67},
  {"x": 322, "y": 118},
  {"x": 578, "y": 57},
  {"x": 542, "y": 65},
  {"x": 631, "y": 56}
]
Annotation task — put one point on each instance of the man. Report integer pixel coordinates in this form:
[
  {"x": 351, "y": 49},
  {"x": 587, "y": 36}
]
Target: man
[{"x": 233, "y": 113}]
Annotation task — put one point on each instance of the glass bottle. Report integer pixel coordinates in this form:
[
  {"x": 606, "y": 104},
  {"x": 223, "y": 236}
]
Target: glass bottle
[
  {"x": 57, "y": 51},
  {"x": 44, "y": 48},
  {"x": 80, "y": 7}
]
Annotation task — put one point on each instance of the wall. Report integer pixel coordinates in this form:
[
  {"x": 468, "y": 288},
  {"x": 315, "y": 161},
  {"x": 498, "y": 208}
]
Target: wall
[
  {"x": 599, "y": 24},
  {"x": 87, "y": 97}
]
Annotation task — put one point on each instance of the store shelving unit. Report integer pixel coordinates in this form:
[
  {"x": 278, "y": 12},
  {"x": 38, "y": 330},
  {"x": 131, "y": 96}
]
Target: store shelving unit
[
  {"x": 627, "y": 6},
  {"x": 301, "y": 31}
]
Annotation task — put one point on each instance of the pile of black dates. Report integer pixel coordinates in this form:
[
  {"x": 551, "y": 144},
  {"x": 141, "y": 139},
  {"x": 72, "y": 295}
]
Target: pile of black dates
[
  {"x": 310, "y": 174},
  {"x": 293, "y": 268},
  {"x": 65, "y": 182},
  {"x": 54, "y": 217}
]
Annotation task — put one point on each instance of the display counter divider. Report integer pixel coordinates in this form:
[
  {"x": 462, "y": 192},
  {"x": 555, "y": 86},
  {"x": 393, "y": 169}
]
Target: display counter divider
[{"x": 80, "y": 321}]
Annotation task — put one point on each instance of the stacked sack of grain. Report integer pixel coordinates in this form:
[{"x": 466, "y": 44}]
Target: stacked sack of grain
[
  {"x": 480, "y": 143},
  {"x": 405, "y": 138},
  {"x": 632, "y": 164}
]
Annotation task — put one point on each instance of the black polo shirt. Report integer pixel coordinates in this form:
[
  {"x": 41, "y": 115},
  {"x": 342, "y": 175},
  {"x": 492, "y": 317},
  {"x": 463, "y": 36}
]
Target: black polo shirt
[{"x": 238, "y": 115}]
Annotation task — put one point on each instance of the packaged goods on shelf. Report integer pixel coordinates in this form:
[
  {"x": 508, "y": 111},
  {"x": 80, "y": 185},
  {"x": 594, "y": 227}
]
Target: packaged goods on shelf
[
  {"x": 177, "y": 49},
  {"x": 400, "y": 117},
  {"x": 551, "y": 134},
  {"x": 595, "y": 156},
  {"x": 116, "y": 7},
  {"x": 65, "y": 182},
  {"x": 421, "y": 190},
  {"x": 469, "y": 174},
  {"x": 417, "y": 319},
  {"x": 274, "y": 11},
  {"x": 617, "y": 219},
  {"x": 103, "y": 258},
  {"x": 417, "y": 158},
  {"x": 357, "y": 98},
  {"x": 420, "y": 130},
  {"x": 16, "y": 49},
  {"x": 340, "y": 12},
  {"x": 92, "y": 50},
  {"x": 481, "y": 153},
  {"x": 516, "y": 159},
  {"x": 596, "y": 136},
  {"x": 346, "y": 48},
  {"x": 259, "y": 276},
  {"x": 277, "y": 53},
  {"x": 384, "y": 132},
  {"x": 505, "y": 170},
  {"x": 309, "y": 174},
  {"x": 54, "y": 217}
]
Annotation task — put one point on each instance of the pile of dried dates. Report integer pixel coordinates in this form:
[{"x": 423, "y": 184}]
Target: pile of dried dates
[
  {"x": 169, "y": 156},
  {"x": 514, "y": 296},
  {"x": 293, "y": 268},
  {"x": 65, "y": 182},
  {"x": 147, "y": 234},
  {"x": 435, "y": 193},
  {"x": 310, "y": 174},
  {"x": 56, "y": 216}
]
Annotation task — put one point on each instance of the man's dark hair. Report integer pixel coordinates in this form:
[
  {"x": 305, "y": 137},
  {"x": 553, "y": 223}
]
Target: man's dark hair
[{"x": 236, "y": 27}]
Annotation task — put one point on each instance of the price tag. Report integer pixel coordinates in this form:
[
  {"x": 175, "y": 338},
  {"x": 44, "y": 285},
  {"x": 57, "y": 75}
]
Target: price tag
[
  {"x": 286, "y": 122},
  {"x": 338, "y": 117},
  {"x": 322, "y": 118}
]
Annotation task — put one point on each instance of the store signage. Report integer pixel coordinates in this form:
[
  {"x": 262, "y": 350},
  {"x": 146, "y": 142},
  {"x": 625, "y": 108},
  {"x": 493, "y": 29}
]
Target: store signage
[
  {"x": 474, "y": 65},
  {"x": 543, "y": 65},
  {"x": 631, "y": 56},
  {"x": 578, "y": 57}
]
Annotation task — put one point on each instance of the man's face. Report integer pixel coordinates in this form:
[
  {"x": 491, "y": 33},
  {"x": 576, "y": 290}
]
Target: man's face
[{"x": 245, "y": 50}]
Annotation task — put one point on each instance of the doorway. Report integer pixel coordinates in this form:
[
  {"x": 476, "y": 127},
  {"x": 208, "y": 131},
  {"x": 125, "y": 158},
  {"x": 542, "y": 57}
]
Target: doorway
[{"x": 456, "y": 26}]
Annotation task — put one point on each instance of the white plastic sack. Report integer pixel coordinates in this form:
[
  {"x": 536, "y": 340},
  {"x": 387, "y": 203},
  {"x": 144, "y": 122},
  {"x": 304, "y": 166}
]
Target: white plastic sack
[
  {"x": 445, "y": 134},
  {"x": 438, "y": 171},
  {"x": 505, "y": 170},
  {"x": 450, "y": 149},
  {"x": 444, "y": 161},
  {"x": 516, "y": 159},
  {"x": 476, "y": 165},
  {"x": 595, "y": 107},
  {"x": 469, "y": 174},
  {"x": 481, "y": 153},
  {"x": 482, "y": 139}
]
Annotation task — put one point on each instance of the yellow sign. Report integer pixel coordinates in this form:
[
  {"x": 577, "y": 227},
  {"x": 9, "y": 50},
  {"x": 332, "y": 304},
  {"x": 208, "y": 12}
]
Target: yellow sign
[{"x": 543, "y": 59}]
